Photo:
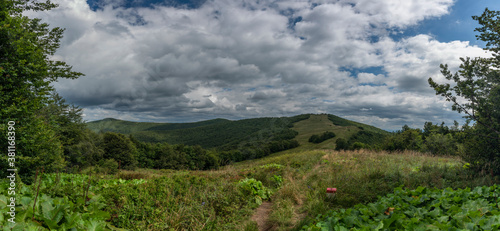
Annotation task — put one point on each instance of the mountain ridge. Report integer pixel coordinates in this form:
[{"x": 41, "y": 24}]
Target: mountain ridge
[{"x": 228, "y": 134}]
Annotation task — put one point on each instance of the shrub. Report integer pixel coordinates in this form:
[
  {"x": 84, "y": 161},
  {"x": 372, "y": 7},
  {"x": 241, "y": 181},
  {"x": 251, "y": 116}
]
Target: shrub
[
  {"x": 358, "y": 145},
  {"x": 341, "y": 144},
  {"x": 320, "y": 138},
  {"x": 254, "y": 189},
  {"x": 108, "y": 166}
]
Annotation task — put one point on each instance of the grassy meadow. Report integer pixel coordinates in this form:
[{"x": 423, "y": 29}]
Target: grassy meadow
[
  {"x": 295, "y": 181},
  {"x": 282, "y": 191}
]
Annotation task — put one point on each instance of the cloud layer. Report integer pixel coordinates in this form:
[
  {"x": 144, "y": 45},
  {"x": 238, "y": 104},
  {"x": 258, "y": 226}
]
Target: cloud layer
[{"x": 240, "y": 59}]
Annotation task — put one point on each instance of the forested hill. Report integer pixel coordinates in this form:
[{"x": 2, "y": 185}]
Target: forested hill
[{"x": 218, "y": 133}]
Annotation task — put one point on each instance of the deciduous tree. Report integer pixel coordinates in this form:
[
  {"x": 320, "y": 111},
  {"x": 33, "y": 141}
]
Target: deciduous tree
[
  {"x": 26, "y": 74},
  {"x": 476, "y": 93}
]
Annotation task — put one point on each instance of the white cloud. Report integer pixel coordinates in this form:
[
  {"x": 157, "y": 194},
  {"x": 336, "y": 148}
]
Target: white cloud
[
  {"x": 402, "y": 13},
  {"x": 239, "y": 59}
]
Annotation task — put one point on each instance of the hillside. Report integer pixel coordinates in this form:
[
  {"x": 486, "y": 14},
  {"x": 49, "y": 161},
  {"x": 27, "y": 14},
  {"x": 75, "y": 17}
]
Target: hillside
[
  {"x": 318, "y": 124},
  {"x": 220, "y": 133},
  {"x": 228, "y": 134}
]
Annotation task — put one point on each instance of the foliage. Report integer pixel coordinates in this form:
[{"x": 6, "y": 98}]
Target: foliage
[
  {"x": 271, "y": 175},
  {"x": 121, "y": 149},
  {"x": 320, "y": 138},
  {"x": 27, "y": 71},
  {"x": 254, "y": 190},
  {"x": 340, "y": 121},
  {"x": 357, "y": 146},
  {"x": 66, "y": 119},
  {"x": 85, "y": 152},
  {"x": 278, "y": 180},
  {"x": 165, "y": 156},
  {"x": 271, "y": 135},
  {"x": 39, "y": 148},
  {"x": 476, "y": 93},
  {"x": 52, "y": 212},
  {"x": 343, "y": 122},
  {"x": 361, "y": 140},
  {"x": 367, "y": 138},
  {"x": 272, "y": 166},
  {"x": 406, "y": 139},
  {"x": 341, "y": 144},
  {"x": 108, "y": 166},
  {"x": 440, "y": 144},
  {"x": 434, "y": 139},
  {"x": 420, "y": 209}
]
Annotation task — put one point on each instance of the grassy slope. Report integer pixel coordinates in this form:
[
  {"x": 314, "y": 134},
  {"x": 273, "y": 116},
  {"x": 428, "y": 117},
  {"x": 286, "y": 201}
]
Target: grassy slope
[
  {"x": 120, "y": 126},
  {"x": 128, "y": 127},
  {"x": 343, "y": 122},
  {"x": 317, "y": 124}
]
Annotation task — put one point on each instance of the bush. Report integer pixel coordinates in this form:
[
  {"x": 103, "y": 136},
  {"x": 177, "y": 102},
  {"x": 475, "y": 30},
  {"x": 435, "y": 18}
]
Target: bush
[
  {"x": 358, "y": 145},
  {"x": 254, "y": 189},
  {"x": 440, "y": 144},
  {"x": 341, "y": 144},
  {"x": 109, "y": 166},
  {"x": 320, "y": 138}
]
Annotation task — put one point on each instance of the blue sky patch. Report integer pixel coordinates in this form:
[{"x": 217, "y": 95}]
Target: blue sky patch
[{"x": 189, "y": 4}]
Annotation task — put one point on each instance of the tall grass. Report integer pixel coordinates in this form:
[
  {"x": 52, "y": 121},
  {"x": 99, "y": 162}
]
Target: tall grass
[
  {"x": 211, "y": 200},
  {"x": 360, "y": 177}
]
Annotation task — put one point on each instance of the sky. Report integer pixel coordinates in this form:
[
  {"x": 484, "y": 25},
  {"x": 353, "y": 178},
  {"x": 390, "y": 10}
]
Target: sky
[{"x": 192, "y": 60}]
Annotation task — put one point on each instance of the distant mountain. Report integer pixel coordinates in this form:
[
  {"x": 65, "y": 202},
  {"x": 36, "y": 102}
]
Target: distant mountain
[{"x": 229, "y": 134}]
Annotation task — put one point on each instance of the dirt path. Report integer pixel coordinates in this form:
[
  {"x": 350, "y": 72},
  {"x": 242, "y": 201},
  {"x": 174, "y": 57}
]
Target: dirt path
[{"x": 261, "y": 215}]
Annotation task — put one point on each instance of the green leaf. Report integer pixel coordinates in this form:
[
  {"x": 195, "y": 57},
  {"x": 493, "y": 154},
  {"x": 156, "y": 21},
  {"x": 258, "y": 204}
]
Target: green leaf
[
  {"x": 72, "y": 220},
  {"x": 95, "y": 225},
  {"x": 380, "y": 225},
  {"x": 3, "y": 201},
  {"x": 443, "y": 219}
]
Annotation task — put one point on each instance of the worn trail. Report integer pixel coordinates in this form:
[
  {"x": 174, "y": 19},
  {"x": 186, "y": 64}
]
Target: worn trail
[{"x": 261, "y": 216}]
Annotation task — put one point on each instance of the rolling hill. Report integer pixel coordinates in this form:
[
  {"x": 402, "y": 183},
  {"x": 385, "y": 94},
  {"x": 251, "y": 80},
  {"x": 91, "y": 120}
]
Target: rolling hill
[{"x": 227, "y": 134}]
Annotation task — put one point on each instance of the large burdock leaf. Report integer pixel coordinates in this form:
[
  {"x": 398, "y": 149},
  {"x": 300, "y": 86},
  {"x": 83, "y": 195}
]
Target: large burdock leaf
[
  {"x": 53, "y": 215},
  {"x": 95, "y": 225},
  {"x": 3, "y": 201}
]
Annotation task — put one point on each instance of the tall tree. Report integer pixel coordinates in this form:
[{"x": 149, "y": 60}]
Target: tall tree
[
  {"x": 120, "y": 148},
  {"x": 26, "y": 74},
  {"x": 476, "y": 93}
]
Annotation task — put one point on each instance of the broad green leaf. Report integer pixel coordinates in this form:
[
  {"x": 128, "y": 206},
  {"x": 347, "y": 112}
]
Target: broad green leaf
[
  {"x": 95, "y": 225},
  {"x": 3, "y": 201}
]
